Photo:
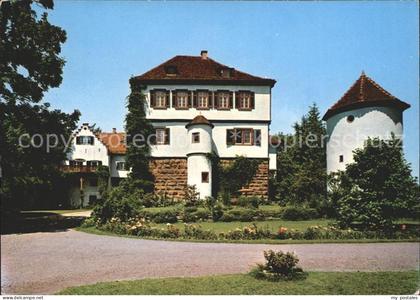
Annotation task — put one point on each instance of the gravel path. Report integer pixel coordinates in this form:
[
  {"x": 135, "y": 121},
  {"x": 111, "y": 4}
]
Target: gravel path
[{"x": 45, "y": 263}]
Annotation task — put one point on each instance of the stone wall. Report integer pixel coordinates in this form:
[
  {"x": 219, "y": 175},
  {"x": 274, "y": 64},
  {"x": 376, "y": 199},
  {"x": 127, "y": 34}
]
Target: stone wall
[
  {"x": 259, "y": 183},
  {"x": 170, "y": 176}
]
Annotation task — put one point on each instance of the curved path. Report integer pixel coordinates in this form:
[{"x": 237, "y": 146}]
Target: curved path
[{"x": 44, "y": 263}]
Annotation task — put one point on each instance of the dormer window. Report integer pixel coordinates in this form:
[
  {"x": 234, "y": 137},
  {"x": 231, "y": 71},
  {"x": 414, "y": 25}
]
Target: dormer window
[
  {"x": 226, "y": 72},
  {"x": 244, "y": 100},
  {"x": 171, "y": 70}
]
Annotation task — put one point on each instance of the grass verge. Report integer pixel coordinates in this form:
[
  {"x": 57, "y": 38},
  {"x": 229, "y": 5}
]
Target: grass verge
[{"x": 317, "y": 283}]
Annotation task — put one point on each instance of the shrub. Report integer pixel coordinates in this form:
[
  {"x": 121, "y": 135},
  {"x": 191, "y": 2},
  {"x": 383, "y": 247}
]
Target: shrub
[
  {"x": 161, "y": 216},
  {"x": 191, "y": 195},
  {"x": 240, "y": 214},
  {"x": 192, "y": 231},
  {"x": 121, "y": 208},
  {"x": 245, "y": 201},
  {"x": 278, "y": 266},
  {"x": 199, "y": 214},
  {"x": 295, "y": 213},
  {"x": 217, "y": 212}
]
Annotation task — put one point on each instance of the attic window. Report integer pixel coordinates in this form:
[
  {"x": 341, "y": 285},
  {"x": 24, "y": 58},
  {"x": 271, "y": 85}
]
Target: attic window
[
  {"x": 350, "y": 118},
  {"x": 171, "y": 70},
  {"x": 226, "y": 72}
]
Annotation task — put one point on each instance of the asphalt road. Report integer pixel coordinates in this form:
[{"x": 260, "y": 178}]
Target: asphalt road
[{"x": 45, "y": 263}]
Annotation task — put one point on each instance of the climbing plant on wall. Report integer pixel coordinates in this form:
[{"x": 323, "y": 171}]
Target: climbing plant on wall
[
  {"x": 230, "y": 178},
  {"x": 139, "y": 130}
]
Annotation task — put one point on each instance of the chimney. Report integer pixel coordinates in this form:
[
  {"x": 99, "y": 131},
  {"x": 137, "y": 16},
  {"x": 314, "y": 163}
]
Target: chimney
[
  {"x": 204, "y": 54},
  {"x": 114, "y": 130}
]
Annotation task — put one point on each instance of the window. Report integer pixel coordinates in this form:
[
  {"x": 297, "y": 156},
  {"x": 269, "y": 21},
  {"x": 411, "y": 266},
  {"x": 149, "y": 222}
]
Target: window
[
  {"x": 350, "y": 118},
  {"x": 223, "y": 99},
  {"x": 121, "y": 166},
  {"x": 162, "y": 136},
  {"x": 76, "y": 163},
  {"x": 244, "y": 100},
  {"x": 204, "y": 177},
  {"x": 341, "y": 158},
  {"x": 203, "y": 99},
  {"x": 195, "y": 137},
  {"x": 243, "y": 136},
  {"x": 94, "y": 163},
  {"x": 171, "y": 70},
  {"x": 84, "y": 140},
  {"x": 182, "y": 99},
  {"x": 160, "y": 99}
]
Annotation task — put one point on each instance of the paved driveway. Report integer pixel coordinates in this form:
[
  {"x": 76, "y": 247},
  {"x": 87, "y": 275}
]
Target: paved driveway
[{"x": 44, "y": 263}]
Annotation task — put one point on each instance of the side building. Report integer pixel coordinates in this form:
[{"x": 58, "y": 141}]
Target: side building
[{"x": 89, "y": 150}]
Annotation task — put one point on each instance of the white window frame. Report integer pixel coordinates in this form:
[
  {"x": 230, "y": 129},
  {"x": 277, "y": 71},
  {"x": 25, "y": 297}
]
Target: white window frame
[
  {"x": 203, "y": 99},
  {"x": 244, "y": 100},
  {"x": 223, "y": 100},
  {"x": 160, "y": 99},
  {"x": 160, "y": 136},
  {"x": 181, "y": 99},
  {"x": 117, "y": 163}
]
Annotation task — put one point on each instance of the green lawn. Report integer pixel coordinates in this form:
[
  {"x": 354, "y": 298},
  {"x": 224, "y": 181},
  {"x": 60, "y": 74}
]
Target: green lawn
[
  {"x": 273, "y": 225},
  {"x": 317, "y": 283}
]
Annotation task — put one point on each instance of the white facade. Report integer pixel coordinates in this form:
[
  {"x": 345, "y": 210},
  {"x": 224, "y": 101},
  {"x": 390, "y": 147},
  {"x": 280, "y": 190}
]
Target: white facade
[
  {"x": 87, "y": 152},
  {"x": 261, "y": 112},
  {"x": 212, "y": 138},
  {"x": 344, "y": 135}
]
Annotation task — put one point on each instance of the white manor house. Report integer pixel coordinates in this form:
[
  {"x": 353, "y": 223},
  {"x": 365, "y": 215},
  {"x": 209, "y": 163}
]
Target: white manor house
[{"x": 199, "y": 106}]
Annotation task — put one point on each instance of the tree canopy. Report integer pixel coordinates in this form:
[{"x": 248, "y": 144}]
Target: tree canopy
[
  {"x": 29, "y": 66},
  {"x": 377, "y": 188},
  {"x": 301, "y": 163}
]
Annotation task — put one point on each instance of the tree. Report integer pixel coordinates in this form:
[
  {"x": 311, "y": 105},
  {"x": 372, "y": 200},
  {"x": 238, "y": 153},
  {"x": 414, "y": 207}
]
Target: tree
[
  {"x": 139, "y": 132},
  {"x": 377, "y": 187},
  {"x": 301, "y": 162},
  {"x": 29, "y": 66}
]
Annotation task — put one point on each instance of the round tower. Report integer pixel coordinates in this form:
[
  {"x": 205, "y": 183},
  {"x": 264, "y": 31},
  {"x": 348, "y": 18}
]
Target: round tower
[
  {"x": 365, "y": 110},
  {"x": 199, "y": 146}
]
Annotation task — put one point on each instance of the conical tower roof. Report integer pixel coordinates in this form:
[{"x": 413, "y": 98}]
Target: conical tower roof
[{"x": 363, "y": 93}]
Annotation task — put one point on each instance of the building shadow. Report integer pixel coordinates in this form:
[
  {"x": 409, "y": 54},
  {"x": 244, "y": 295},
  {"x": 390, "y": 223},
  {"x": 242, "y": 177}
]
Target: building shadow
[{"x": 30, "y": 222}]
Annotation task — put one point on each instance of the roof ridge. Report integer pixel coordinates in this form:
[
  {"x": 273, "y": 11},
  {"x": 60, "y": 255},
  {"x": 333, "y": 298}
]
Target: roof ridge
[{"x": 379, "y": 87}]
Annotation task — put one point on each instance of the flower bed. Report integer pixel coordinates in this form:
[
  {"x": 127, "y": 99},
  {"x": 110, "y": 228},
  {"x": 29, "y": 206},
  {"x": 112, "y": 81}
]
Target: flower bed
[{"x": 142, "y": 228}]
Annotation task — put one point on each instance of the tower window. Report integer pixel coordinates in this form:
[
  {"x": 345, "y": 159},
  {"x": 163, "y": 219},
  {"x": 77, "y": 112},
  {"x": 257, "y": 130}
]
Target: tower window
[
  {"x": 205, "y": 177},
  {"x": 350, "y": 118},
  {"x": 195, "y": 137},
  {"x": 341, "y": 158}
]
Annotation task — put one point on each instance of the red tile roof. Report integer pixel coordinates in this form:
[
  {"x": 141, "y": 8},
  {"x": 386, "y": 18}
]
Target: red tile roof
[
  {"x": 195, "y": 69},
  {"x": 114, "y": 142},
  {"x": 199, "y": 120},
  {"x": 365, "y": 92}
]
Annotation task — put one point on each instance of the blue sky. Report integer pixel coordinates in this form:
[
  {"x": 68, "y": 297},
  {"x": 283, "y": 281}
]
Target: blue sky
[{"x": 315, "y": 51}]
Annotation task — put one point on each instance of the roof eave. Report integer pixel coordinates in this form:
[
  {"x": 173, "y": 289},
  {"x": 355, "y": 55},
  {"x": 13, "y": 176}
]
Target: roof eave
[
  {"x": 360, "y": 104},
  {"x": 257, "y": 82}
]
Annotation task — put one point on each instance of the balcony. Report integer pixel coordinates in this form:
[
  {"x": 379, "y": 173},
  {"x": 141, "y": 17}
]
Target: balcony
[{"x": 79, "y": 169}]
